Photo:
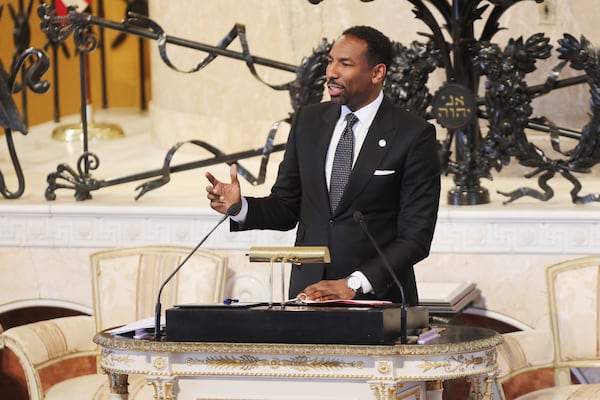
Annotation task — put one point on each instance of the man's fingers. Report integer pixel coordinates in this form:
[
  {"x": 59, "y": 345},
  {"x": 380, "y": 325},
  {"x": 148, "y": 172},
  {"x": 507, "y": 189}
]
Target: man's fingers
[
  {"x": 211, "y": 195},
  {"x": 327, "y": 290},
  {"x": 233, "y": 173},
  {"x": 211, "y": 178}
]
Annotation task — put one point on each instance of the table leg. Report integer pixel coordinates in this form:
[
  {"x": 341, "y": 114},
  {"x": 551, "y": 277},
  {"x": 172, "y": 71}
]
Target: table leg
[
  {"x": 385, "y": 390},
  {"x": 481, "y": 387},
  {"x": 435, "y": 390},
  {"x": 395, "y": 390},
  {"x": 118, "y": 386},
  {"x": 163, "y": 387}
]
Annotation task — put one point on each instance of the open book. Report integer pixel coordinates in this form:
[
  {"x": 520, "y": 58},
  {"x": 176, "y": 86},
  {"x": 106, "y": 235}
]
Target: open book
[{"x": 363, "y": 303}]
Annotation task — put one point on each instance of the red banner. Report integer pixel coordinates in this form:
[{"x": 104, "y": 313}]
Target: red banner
[{"x": 61, "y": 5}]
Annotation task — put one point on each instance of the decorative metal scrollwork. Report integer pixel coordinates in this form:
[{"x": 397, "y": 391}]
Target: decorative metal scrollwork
[
  {"x": 10, "y": 118},
  {"x": 466, "y": 152},
  {"x": 306, "y": 88},
  {"x": 508, "y": 103},
  {"x": 59, "y": 27},
  {"x": 79, "y": 180},
  {"x": 406, "y": 82}
]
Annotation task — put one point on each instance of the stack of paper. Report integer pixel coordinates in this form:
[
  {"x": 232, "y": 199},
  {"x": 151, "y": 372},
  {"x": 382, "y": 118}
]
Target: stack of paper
[{"x": 447, "y": 297}]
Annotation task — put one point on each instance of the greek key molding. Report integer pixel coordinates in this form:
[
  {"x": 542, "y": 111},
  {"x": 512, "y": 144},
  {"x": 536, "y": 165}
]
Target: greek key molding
[{"x": 538, "y": 229}]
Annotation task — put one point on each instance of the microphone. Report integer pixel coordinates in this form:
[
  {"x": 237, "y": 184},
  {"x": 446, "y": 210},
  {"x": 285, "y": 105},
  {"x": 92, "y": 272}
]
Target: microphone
[
  {"x": 360, "y": 219},
  {"x": 232, "y": 210}
]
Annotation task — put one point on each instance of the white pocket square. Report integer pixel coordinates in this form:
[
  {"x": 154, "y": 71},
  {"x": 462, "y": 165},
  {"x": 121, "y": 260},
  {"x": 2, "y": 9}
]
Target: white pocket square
[{"x": 380, "y": 172}]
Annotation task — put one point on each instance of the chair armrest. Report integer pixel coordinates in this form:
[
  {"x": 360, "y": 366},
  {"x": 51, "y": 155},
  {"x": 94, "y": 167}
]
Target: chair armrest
[
  {"x": 40, "y": 344},
  {"x": 524, "y": 351}
]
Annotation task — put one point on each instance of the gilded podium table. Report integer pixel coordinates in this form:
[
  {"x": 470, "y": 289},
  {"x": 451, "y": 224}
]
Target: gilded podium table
[{"x": 244, "y": 371}]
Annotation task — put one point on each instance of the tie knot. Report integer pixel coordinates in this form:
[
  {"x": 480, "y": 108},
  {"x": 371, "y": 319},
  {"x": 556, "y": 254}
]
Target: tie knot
[{"x": 351, "y": 119}]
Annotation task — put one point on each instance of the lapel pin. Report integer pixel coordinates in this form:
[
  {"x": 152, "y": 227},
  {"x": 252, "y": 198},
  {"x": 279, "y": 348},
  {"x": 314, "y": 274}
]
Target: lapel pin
[{"x": 382, "y": 142}]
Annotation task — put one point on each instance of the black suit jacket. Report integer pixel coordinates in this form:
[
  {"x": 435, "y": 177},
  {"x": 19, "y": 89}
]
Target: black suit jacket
[{"x": 395, "y": 183}]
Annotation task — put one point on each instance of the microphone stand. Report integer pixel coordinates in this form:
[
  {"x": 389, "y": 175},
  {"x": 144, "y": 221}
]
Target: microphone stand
[
  {"x": 234, "y": 209},
  {"x": 360, "y": 219}
]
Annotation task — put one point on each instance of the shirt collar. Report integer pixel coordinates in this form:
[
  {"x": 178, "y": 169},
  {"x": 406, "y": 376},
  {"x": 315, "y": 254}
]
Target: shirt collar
[{"x": 365, "y": 115}]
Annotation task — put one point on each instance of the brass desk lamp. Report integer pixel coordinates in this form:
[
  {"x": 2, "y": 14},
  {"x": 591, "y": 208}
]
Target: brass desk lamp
[{"x": 295, "y": 255}]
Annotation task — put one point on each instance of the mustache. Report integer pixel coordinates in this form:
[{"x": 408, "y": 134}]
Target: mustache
[{"x": 333, "y": 82}]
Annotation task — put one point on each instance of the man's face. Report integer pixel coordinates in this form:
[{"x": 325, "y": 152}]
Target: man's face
[{"x": 350, "y": 78}]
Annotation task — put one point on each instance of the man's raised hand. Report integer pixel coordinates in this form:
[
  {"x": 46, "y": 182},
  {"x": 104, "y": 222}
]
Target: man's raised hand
[{"x": 223, "y": 195}]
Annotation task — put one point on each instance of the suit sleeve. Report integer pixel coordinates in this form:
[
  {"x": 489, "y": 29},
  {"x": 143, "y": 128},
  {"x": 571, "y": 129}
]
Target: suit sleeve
[
  {"x": 416, "y": 216},
  {"x": 279, "y": 210}
]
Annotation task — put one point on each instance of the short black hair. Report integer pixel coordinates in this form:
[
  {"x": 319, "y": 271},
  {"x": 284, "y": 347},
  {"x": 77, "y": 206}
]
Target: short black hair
[{"x": 379, "y": 46}]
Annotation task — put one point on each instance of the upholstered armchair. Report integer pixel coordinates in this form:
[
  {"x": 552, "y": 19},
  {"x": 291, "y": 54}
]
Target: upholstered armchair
[
  {"x": 574, "y": 303},
  {"x": 125, "y": 282}
]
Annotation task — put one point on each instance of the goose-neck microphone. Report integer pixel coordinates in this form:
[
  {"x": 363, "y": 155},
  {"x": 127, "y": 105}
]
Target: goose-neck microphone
[
  {"x": 360, "y": 219},
  {"x": 232, "y": 210}
]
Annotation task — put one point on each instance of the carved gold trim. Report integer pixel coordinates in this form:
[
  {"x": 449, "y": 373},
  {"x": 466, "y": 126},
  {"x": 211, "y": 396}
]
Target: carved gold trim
[
  {"x": 389, "y": 391},
  {"x": 159, "y": 363},
  {"x": 118, "y": 383},
  {"x": 444, "y": 377},
  {"x": 383, "y": 367},
  {"x": 110, "y": 358},
  {"x": 384, "y": 391},
  {"x": 248, "y": 362},
  {"x": 481, "y": 387},
  {"x": 163, "y": 388},
  {"x": 149, "y": 372},
  {"x": 460, "y": 362},
  {"x": 489, "y": 341},
  {"x": 292, "y": 375}
]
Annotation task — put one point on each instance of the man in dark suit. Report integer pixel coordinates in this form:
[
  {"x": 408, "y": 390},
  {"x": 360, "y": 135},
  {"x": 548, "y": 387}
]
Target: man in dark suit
[{"x": 394, "y": 182}]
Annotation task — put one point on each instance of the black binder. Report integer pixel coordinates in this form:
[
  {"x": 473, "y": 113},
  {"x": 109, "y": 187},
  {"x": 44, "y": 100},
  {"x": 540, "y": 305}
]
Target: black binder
[{"x": 318, "y": 324}]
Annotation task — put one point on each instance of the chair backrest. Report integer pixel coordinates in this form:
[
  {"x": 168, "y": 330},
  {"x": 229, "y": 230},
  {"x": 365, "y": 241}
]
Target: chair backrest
[
  {"x": 126, "y": 281},
  {"x": 573, "y": 289}
]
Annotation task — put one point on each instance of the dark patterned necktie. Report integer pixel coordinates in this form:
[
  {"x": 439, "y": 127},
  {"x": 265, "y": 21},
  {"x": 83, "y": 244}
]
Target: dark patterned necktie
[{"x": 342, "y": 163}]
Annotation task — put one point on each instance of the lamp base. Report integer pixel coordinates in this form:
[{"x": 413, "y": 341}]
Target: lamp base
[{"x": 96, "y": 131}]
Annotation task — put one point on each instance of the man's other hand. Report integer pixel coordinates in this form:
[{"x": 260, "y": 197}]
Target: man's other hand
[{"x": 329, "y": 290}]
